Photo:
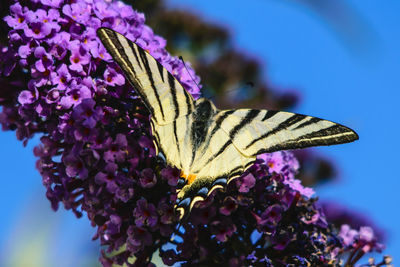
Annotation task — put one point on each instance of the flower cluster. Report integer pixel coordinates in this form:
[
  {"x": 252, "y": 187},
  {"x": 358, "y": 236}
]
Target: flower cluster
[{"x": 97, "y": 157}]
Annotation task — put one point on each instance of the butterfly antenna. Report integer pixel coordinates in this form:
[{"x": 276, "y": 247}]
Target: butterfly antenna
[{"x": 190, "y": 75}]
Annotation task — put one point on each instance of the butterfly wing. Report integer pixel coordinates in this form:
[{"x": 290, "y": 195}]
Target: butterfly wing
[
  {"x": 255, "y": 132},
  {"x": 215, "y": 163},
  {"x": 215, "y": 158},
  {"x": 236, "y": 137},
  {"x": 163, "y": 95}
]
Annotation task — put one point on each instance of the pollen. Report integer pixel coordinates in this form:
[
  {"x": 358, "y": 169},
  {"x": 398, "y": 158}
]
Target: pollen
[{"x": 190, "y": 177}]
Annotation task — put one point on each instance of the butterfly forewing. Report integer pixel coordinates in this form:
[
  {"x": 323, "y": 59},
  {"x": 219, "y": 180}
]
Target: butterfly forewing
[
  {"x": 260, "y": 131},
  {"x": 164, "y": 96}
]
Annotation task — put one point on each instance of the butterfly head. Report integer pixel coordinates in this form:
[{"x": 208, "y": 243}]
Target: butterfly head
[{"x": 205, "y": 106}]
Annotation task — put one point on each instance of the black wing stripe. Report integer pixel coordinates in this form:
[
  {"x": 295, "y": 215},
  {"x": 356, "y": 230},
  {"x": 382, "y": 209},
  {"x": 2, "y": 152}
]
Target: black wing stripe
[
  {"x": 188, "y": 101},
  {"x": 282, "y": 126},
  {"x": 219, "y": 121},
  {"x": 217, "y": 126},
  {"x": 220, "y": 151},
  {"x": 176, "y": 139},
  {"x": 171, "y": 82},
  {"x": 134, "y": 52},
  {"x": 146, "y": 64},
  {"x": 124, "y": 54},
  {"x": 269, "y": 114},
  {"x": 161, "y": 70},
  {"x": 251, "y": 115},
  {"x": 336, "y": 134},
  {"x": 307, "y": 123}
]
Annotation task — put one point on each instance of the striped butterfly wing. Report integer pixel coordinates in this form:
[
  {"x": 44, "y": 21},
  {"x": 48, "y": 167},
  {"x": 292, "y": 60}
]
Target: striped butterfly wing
[
  {"x": 163, "y": 95},
  {"x": 255, "y": 132},
  {"x": 216, "y": 162},
  {"x": 236, "y": 137}
]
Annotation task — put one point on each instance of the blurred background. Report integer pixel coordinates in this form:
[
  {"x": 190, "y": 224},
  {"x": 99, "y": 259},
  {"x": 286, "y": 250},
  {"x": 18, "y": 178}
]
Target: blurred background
[{"x": 333, "y": 59}]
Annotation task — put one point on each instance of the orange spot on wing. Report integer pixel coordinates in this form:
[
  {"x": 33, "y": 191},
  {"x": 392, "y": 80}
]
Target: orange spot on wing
[{"x": 190, "y": 178}]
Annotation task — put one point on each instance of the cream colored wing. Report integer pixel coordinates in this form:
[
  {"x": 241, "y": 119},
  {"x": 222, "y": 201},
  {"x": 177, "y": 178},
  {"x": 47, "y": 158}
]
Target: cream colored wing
[
  {"x": 173, "y": 140},
  {"x": 214, "y": 163},
  {"x": 163, "y": 95},
  {"x": 255, "y": 132}
]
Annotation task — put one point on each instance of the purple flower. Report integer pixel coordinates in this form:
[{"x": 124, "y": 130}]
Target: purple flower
[
  {"x": 124, "y": 194},
  {"x": 171, "y": 175},
  {"x": 147, "y": 178},
  {"x": 270, "y": 217},
  {"x": 20, "y": 17},
  {"x": 49, "y": 18},
  {"x": 246, "y": 183},
  {"x": 88, "y": 39},
  {"x": 203, "y": 215},
  {"x": 52, "y": 3},
  {"x": 347, "y": 234},
  {"x": 108, "y": 177},
  {"x": 60, "y": 45},
  {"x": 223, "y": 229},
  {"x": 79, "y": 57},
  {"x": 297, "y": 186},
  {"x": 37, "y": 30},
  {"x": 229, "y": 206},
  {"x": 75, "y": 166},
  {"x": 116, "y": 149},
  {"x": 98, "y": 51},
  {"x": 24, "y": 51},
  {"x": 79, "y": 12},
  {"x": 366, "y": 233},
  {"x": 44, "y": 59},
  {"x": 167, "y": 213},
  {"x": 138, "y": 239},
  {"x": 61, "y": 77},
  {"x": 114, "y": 225},
  {"x": 27, "y": 97},
  {"x": 316, "y": 218},
  {"x": 145, "y": 213},
  {"x": 111, "y": 77},
  {"x": 75, "y": 94},
  {"x": 84, "y": 133},
  {"x": 102, "y": 10},
  {"x": 87, "y": 114}
]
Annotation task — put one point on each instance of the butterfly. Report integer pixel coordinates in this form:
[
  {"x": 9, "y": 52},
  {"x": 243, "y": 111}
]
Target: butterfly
[{"x": 211, "y": 147}]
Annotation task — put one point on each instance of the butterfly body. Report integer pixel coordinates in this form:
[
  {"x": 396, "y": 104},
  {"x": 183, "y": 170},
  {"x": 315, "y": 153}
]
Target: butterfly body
[{"x": 211, "y": 147}]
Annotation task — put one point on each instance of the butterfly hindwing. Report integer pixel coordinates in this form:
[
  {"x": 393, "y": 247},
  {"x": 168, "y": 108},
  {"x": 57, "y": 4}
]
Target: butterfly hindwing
[
  {"x": 163, "y": 95},
  {"x": 262, "y": 131}
]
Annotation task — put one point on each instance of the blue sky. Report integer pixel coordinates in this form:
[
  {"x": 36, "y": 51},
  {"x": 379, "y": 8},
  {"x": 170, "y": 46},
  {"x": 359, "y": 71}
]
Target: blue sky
[{"x": 355, "y": 86}]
